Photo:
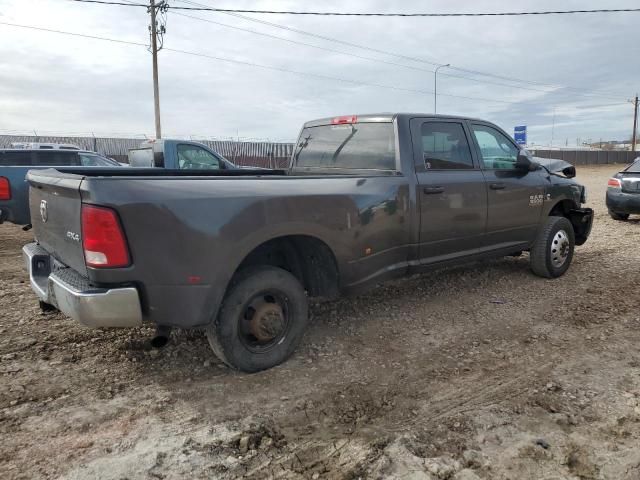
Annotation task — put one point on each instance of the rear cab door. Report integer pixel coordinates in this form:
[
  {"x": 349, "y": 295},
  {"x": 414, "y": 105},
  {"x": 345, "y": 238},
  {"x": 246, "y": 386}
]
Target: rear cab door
[
  {"x": 451, "y": 189},
  {"x": 515, "y": 197}
]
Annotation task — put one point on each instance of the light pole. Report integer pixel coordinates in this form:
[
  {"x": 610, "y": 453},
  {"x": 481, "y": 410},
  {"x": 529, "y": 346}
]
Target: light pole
[
  {"x": 435, "y": 86},
  {"x": 553, "y": 126}
]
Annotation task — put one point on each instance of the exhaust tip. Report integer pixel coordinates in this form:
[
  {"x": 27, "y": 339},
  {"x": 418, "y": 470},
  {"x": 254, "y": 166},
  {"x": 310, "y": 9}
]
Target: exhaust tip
[
  {"x": 159, "y": 341},
  {"x": 161, "y": 337}
]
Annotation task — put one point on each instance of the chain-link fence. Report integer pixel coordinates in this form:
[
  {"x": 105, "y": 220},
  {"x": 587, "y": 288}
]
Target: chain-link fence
[{"x": 588, "y": 157}]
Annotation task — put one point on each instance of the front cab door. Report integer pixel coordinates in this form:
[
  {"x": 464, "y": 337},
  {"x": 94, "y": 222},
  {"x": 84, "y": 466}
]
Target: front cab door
[
  {"x": 515, "y": 197},
  {"x": 451, "y": 191}
]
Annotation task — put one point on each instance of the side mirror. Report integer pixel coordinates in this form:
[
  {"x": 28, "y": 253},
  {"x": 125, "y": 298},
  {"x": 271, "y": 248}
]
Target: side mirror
[{"x": 524, "y": 162}]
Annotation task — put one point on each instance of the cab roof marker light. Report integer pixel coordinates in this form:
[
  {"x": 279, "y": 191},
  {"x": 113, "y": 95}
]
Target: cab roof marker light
[{"x": 344, "y": 120}]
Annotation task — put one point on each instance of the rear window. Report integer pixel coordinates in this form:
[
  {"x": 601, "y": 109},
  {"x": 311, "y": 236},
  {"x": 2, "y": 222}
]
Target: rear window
[
  {"x": 634, "y": 167},
  {"x": 26, "y": 158},
  {"x": 20, "y": 158},
  {"x": 358, "y": 146},
  {"x": 56, "y": 158}
]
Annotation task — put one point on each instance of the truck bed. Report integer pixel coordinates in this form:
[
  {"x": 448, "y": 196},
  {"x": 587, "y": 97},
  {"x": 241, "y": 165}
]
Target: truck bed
[{"x": 161, "y": 172}]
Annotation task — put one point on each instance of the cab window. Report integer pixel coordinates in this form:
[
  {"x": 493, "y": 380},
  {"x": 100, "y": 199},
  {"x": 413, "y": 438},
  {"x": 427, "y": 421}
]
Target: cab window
[
  {"x": 56, "y": 158},
  {"x": 496, "y": 150},
  {"x": 91, "y": 160},
  {"x": 17, "y": 158},
  {"x": 194, "y": 157},
  {"x": 445, "y": 146}
]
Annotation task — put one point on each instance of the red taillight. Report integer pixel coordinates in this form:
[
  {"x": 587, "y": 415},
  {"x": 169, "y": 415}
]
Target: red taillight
[
  {"x": 103, "y": 239},
  {"x": 5, "y": 189},
  {"x": 343, "y": 120},
  {"x": 614, "y": 183}
]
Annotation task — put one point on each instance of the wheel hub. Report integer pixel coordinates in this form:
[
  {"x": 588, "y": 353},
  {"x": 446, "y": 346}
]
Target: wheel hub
[
  {"x": 267, "y": 322},
  {"x": 560, "y": 247}
]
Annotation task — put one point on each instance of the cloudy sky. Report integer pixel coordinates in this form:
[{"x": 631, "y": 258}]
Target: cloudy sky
[{"x": 575, "y": 71}]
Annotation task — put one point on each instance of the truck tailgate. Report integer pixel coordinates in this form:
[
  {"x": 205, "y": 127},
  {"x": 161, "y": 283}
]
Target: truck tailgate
[{"x": 55, "y": 204}]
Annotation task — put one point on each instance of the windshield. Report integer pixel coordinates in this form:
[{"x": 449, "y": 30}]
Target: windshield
[
  {"x": 353, "y": 146},
  {"x": 634, "y": 167}
]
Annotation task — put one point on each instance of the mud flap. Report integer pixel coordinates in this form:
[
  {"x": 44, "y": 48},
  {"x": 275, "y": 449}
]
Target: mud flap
[{"x": 582, "y": 220}]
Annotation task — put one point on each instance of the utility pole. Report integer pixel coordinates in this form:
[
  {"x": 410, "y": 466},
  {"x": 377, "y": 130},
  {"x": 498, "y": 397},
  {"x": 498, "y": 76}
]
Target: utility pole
[
  {"x": 635, "y": 124},
  {"x": 157, "y": 32},
  {"x": 435, "y": 86}
]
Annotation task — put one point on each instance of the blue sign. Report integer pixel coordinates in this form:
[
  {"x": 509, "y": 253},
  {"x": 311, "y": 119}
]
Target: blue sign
[{"x": 520, "y": 134}]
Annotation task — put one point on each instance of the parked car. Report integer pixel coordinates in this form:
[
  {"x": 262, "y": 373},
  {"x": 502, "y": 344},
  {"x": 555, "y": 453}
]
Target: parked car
[
  {"x": 623, "y": 192},
  {"x": 177, "y": 155},
  {"x": 237, "y": 252},
  {"x": 14, "y": 164},
  {"x": 44, "y": 146}
]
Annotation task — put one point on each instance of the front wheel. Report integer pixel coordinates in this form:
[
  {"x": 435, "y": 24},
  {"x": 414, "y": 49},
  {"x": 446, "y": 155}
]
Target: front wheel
[
  {"x": 618, "y": 216},
  {"x": 552, "y": 251},
  {"x": 262, "y": 319}
]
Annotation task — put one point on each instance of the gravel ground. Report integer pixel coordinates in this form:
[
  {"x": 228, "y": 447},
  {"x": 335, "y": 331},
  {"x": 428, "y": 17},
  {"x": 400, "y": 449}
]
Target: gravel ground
[{"x": 483, "y": 371}]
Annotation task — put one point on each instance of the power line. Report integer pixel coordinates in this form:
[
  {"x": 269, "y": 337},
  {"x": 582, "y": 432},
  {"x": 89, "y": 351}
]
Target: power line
[
  {"x": 83, "y": 35},
  {"x": 201, "y": 7},
  {"x": 372, "y": 59},
  {"x": 251, "y": 64},
  {"x": 375, "y": 14},
  {"x": 267, "y": 67},
  {"x": 329, "y": 77},
  {"x": 408, "y": 57}
]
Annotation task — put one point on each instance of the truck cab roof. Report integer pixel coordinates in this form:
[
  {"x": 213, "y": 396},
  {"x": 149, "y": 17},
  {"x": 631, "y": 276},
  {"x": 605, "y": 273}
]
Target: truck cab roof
[{"x": 378, "y": 117}]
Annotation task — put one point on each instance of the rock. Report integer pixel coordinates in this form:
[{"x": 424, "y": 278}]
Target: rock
[
  {"x": 206, "y": 364},
  {"x": 266, "y": 442},
  {"x": 441, "y": 468},
  {"x": 243, "y": 444},
  {"x": 473, "y": 459},
  {"x": 398, "y": 462},
  {"x": 541, "y": 442},
  {"x": 315, "y": 476},
  {"x": 466, "y": 474}
]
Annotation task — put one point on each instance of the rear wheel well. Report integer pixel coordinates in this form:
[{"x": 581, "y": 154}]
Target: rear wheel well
[{"x": 309, "y": 259}]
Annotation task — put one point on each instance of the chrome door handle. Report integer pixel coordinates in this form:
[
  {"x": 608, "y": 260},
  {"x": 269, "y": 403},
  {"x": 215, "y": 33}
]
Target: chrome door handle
[{"x": 497, "y": 186}]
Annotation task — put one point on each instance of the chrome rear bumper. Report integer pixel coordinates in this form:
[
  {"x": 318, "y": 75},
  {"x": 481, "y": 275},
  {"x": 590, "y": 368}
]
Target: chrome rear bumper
[{"x": 74, "y": 296}]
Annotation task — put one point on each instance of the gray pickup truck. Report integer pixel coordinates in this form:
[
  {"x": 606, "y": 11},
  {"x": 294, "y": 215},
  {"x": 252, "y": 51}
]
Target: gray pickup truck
[{"x": 367, "y": 198}]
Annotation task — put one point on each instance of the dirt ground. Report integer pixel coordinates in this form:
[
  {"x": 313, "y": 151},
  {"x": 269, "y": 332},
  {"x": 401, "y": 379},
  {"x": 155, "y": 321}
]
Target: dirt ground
[{"x": 483, "y": 371}]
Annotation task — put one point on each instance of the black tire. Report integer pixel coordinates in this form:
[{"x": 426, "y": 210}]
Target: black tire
[
  {"x": 552, "y": 251},
  {"x": 259, "y": 301},
  {"x": 618, "y": 216}
]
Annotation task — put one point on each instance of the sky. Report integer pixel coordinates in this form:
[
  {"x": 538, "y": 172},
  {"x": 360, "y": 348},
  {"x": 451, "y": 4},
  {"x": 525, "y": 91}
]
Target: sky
[{"x": 575, "y": 73}]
